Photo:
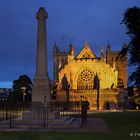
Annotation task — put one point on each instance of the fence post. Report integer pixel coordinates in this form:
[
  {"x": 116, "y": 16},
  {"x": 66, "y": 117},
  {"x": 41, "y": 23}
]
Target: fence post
[
  {"x": 44, "y": 116},
  {"x": 6, "y": 109},
  {"x": 11, "y": 123}
]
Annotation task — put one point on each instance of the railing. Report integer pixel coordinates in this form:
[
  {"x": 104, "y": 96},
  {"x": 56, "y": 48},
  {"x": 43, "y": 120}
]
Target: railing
[{"x": 43, "y": 115}]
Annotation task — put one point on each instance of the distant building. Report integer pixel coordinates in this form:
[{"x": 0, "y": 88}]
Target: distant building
[
  {"x": 79, "y": 71},
  {"x": 4, "y": 93}
]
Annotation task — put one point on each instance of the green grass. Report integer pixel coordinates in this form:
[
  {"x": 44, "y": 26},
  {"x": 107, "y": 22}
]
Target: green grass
[
  {"x": 62, "y": 136},
  {"x": 121, "y": 124}
]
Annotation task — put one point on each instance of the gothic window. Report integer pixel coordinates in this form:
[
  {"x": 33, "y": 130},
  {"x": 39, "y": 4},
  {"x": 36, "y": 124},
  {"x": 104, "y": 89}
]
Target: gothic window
[{"x": 85, "y": 80}]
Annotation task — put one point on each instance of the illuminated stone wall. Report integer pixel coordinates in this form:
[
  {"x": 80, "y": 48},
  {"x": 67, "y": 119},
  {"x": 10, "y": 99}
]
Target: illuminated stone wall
[
  {"x": 87, "y": 61},
  {"x": 74, "y": 68},
  {"x": 106, "y": 97},
  {"x": 81, "y": 70},
  {"x": 114, "y": 58}
]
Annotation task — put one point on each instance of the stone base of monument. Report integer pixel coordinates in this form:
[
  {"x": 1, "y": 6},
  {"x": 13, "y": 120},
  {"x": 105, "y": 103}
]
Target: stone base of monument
[
  {"x": 35, "y": 115},
  {"x": 61, "y": 122},
  {"x": 39, "y": 111},
  {"x": 40, "y": 89},
  {"x": 39, "y": 115}
]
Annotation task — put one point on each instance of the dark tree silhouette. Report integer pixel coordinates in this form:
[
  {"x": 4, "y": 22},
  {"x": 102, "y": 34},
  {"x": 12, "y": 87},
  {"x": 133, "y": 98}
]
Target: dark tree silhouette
[
  {"x": 22, "y": 83},
  {"x": 132, "y": 21}
]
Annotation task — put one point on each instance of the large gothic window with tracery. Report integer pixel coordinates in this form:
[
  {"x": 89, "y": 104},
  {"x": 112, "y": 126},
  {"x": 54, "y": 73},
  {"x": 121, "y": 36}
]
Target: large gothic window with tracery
[{"x": 85, "y": 80}]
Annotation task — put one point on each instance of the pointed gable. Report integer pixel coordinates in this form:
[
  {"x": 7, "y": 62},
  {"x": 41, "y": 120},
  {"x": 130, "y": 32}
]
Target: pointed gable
[{"x": 86, "y": 52}]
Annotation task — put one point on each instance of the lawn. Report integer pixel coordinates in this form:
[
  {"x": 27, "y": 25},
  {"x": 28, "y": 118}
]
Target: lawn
[
  {"x": 119, "y": 122},
  {"x": 121, "y": 125}
]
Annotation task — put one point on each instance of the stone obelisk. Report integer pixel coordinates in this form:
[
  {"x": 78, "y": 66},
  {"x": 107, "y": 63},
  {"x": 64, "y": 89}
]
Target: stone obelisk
[{"x": 41, "y": 89}]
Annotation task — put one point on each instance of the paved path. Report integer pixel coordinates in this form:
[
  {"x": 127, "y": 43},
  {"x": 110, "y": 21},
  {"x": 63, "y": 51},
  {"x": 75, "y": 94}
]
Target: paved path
[{"x": 90, "y": 125}]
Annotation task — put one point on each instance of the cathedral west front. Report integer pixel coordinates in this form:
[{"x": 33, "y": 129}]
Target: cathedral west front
[{"x": 77, "y": 73}]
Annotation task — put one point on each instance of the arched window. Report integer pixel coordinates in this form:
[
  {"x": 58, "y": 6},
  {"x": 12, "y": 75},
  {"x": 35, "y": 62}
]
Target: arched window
[{"x": 85, "y": 80}]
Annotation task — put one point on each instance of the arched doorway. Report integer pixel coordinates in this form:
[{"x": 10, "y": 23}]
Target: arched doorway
[
  {"x": 107, "y": 105},
  {"x": 85, "y": 80}
]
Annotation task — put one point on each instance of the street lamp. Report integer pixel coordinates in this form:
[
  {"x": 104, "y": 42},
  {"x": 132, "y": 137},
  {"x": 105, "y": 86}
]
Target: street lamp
[{"x": 24, "y": 93}]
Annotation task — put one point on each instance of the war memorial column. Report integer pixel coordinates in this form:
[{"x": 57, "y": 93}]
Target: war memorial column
[{"x": 41, "y": 89}]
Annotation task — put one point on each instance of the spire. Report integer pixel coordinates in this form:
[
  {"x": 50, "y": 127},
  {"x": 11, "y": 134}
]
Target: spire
[
  {"x": 86, "y": 52},
  {"x": 71, "y": 52},
  {"x": 124, "y": 50},
  {"x": 86, "y": 44},
  {"x": 108, "y": 49},
  {"x": 70, "y": 47},
  {"x": 102, "y": 52},
  {"x": 108, "y": 45},
  {"x": 70, "y": 44},
  {"x": 55, "y": 46}
]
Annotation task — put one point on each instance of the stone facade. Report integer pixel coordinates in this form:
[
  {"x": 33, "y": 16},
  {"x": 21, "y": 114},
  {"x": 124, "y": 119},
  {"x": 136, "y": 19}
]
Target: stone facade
[
  {"x": 108, "y": 98},
  {"x": 80, "y": 71}
]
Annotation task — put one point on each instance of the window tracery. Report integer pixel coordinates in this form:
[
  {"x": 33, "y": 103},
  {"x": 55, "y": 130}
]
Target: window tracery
[
  {"x": 86, "y": 55},
  {"x": 85, "y": 80}
]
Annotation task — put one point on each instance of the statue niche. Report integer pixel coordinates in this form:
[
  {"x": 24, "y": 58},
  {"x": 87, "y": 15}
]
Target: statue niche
[{"x": 65, "y": 86}]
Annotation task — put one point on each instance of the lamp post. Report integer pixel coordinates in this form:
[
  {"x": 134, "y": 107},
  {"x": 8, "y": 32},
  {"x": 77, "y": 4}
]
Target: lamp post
[{"x": 24, "y": 93}]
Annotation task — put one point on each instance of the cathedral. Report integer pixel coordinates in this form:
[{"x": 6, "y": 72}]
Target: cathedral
[{"x": 77, "y": 73}]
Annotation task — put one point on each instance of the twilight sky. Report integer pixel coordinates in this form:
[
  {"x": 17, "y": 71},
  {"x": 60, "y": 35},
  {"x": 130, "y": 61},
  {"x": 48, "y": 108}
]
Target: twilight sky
[{"x": 97, "y": 21}]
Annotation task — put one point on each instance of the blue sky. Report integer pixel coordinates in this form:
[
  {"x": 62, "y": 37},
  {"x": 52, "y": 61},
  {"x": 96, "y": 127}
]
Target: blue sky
[{"x": 97, "y": 21}]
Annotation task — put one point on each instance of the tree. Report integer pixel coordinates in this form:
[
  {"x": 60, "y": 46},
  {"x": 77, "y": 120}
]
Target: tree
[
  {"x": 132, "y": 21},
  {"x": 22, "y": 89}
]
